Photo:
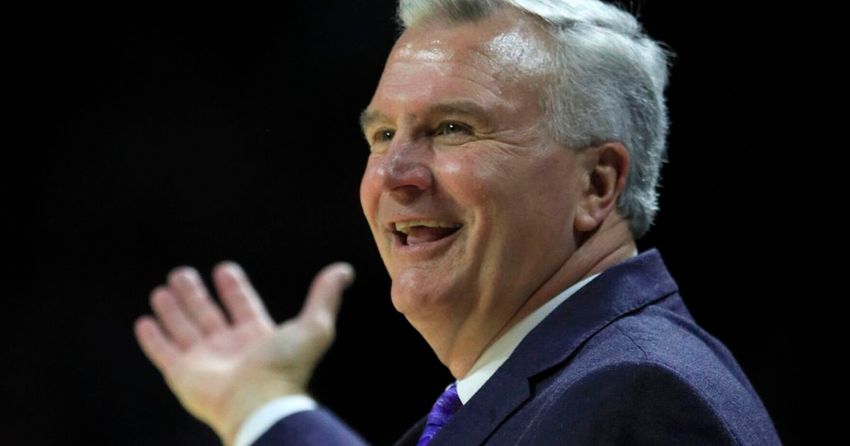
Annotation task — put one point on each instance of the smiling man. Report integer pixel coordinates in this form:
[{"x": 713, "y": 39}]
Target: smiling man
[
  {"x": 515, "y": 151},
  {"x": 474, "y": 205}
]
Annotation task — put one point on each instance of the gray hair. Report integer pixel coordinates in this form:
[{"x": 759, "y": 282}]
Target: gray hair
[{"x": 609, "y": 83}]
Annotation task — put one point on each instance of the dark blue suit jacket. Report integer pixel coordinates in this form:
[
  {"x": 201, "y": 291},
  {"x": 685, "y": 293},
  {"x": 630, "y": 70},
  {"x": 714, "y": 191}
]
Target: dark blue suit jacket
[{"x": 621, "y": 362}]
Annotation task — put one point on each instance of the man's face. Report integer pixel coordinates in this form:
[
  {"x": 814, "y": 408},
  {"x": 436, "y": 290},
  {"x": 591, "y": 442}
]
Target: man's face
[{"x": 471, "y": 202}]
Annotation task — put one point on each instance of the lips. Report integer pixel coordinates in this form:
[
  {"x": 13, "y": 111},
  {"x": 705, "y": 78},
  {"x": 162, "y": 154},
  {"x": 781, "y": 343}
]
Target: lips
[{"x": 420, "y": 232}]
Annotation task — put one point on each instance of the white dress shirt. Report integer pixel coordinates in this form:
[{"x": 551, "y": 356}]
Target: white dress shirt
[
  {"x": 490, "y": 360},
  {"x": 498, "y": 352}
]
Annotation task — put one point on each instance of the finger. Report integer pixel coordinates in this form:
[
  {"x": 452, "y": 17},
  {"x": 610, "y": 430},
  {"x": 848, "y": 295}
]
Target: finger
[
  {"x": 325, "y": 295},
  {"x": 193, "y": 297},
  {"x": 155, "y": 344},
  {"x": 173, "y": 318},
  {"x": 243, "y": 304}
]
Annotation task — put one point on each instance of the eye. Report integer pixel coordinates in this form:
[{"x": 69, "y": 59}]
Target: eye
[
  {"x": 449, "y": 128},
  {"x": 379, "y": 139},
  {"x": 383, "y": 135}
]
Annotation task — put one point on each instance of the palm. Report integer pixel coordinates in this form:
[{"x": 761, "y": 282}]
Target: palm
[
  {"x": 204, "y": 376},
  {"x": 221, "y": 367}
]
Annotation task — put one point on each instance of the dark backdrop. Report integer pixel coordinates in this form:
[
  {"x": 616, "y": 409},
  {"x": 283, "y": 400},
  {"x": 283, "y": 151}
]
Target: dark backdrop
[{"x": 145, "y": 136}]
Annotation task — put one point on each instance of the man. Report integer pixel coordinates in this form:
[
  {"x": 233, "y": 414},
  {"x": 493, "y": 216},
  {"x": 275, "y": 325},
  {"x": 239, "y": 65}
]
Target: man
[{"x": 515, "y": 151}]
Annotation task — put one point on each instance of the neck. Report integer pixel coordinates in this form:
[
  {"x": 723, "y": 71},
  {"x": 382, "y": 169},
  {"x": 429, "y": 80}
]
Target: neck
[{"x": 609, "y": 245}]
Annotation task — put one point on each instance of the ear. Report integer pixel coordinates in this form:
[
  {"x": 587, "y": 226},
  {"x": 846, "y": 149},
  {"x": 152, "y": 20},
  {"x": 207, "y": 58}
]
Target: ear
[{"x": 605, "y": 169}]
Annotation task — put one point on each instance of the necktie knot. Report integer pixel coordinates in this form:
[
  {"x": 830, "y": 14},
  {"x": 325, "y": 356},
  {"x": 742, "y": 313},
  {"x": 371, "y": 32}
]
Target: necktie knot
[{"x": 446, "y": 405}]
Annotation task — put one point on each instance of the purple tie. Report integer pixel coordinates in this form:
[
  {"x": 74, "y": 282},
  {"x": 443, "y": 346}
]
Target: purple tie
[{"x": 447, "y": 404}]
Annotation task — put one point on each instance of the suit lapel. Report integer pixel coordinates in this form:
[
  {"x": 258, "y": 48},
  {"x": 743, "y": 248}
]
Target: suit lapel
[
  {"x": 411, "y": 437},
  {"x": 618, "y": 291}
]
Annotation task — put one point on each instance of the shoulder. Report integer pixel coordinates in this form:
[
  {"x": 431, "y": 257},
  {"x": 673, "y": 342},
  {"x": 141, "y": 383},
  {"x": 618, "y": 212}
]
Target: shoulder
[{"x": 654, "y": 375}]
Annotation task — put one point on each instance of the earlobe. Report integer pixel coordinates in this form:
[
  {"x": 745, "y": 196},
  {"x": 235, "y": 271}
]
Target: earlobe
[
  {"x": 584, "y": 221},
  {"x": 606, "y": 169}
]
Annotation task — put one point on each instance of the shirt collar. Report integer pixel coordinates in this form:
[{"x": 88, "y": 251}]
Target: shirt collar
[{"x": 498, "y": 352}]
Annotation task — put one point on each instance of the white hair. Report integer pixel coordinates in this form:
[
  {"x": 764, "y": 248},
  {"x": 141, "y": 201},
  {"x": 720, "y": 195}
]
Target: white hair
[{"x": 609, "y": 81}]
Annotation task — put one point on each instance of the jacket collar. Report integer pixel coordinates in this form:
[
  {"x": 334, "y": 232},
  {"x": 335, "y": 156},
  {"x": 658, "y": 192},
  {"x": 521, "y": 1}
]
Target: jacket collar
[{"x": 620, "y": 290}]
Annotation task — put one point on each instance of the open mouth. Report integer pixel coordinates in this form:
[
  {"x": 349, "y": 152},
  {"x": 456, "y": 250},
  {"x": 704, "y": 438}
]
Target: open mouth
[{"x": 418, "y": 232}]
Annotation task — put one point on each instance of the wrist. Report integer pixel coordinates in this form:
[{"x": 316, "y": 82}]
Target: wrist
[{"x": 250, "y": 397}]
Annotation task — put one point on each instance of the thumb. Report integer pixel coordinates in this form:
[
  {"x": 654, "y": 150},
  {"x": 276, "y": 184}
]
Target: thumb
[{"x": 325, "y": 295}]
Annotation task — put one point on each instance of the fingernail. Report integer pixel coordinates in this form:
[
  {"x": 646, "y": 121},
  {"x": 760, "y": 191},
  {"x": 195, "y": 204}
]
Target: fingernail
[
  {"x": 234, "y": 268},
  {"x": 348, "y": 274},
  {"x": 185, "y": 275}
]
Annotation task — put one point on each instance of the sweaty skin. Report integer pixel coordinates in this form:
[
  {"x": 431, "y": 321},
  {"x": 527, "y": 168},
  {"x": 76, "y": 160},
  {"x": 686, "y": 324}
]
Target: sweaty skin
[{"x": 457, "y": 140}]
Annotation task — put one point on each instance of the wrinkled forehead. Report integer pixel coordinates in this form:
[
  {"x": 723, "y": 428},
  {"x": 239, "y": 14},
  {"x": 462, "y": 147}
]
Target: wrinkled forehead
[{"x": 505, "y": 43}]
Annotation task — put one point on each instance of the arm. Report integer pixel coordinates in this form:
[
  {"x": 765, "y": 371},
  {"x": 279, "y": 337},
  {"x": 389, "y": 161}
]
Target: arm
[{"x": 224, "y": 364}]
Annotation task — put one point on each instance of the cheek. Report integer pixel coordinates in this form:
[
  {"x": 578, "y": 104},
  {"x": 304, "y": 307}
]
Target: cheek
[
  {"x": 370, "y": 189},
  {"x": 468, "y": 179},
  {"x": 510, "y": 193},
  {"x": 552, "y": 197},
  {"x": 370, "y": 193}
]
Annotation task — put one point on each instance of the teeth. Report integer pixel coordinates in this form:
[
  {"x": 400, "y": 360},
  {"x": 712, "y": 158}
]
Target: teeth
[{"x": 404, "y": 226}]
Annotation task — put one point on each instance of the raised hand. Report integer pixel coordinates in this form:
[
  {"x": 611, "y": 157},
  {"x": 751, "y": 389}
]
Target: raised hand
[{"x": 223, "y": 366}]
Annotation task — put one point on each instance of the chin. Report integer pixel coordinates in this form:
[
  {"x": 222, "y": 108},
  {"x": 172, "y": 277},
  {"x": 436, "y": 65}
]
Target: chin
[{"x": 420, "y": 302}]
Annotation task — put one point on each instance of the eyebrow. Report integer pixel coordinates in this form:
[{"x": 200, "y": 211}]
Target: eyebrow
[
  {"x": 460, "y": 107},
  {"x": 368, "y": 117}
]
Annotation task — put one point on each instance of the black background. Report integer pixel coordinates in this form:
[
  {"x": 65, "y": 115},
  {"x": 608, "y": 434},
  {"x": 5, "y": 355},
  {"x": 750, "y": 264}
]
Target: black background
[{"x": 145, "y": 136}]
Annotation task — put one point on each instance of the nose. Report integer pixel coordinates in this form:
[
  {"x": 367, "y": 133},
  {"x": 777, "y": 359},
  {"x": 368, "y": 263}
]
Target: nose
[{"x": 405, "y": 172}]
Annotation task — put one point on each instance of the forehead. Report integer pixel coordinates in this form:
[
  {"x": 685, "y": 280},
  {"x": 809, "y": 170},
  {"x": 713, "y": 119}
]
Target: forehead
[
  {"x": 487, "y": 61},
  {"x": 507, "y": 40}
]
